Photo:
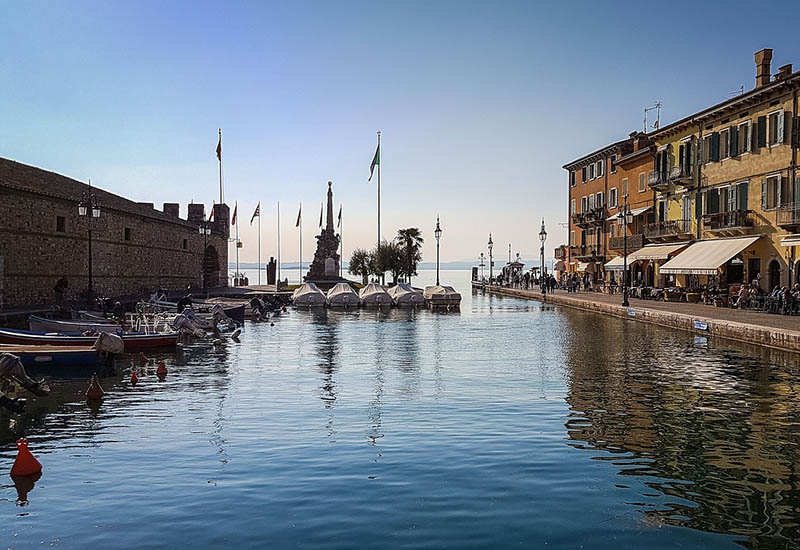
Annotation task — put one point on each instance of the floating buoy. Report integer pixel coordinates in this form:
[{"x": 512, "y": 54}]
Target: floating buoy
[
  {"x": 95, "y": 391},
  {"x": 134, "y": 378},
  {"x": 25, "y": 464},
  {"x": 161, "y": 371},
  {"x": 236, "y": 334},
  {"x": 272, "y": 324},
  {"x": 24, "y": 485}
]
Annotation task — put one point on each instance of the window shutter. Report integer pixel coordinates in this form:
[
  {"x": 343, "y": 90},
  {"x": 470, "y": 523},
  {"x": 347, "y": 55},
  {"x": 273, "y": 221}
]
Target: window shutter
[
  {"x": 713, "y": 201},
  {"x": 715, "y": 146},
  {"x": 688, "y": 164},
  {"x": 763, "y": 193},
  {"x": 583, "y": 175},
  {"x": 734, "y": 144},
  {"x": 781, "y": 117},
  {"x": 742, "y": 196},
  {"x": 698, "y": 205},
  {"x": 778, "y": 201},
  {"x": 762, "y": 132},
  {"x": 681, "y": 154},
  {"x": 749, "y": 142}
]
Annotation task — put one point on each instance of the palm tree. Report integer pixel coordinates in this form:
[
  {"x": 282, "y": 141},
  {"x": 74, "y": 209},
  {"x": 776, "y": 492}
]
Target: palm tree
[
  {"x": 410, "y": 240},
  {"x": 360, "y": 263}
]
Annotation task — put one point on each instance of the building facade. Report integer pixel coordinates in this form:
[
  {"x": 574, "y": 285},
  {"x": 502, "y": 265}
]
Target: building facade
[{"x": 44, "y": 242}]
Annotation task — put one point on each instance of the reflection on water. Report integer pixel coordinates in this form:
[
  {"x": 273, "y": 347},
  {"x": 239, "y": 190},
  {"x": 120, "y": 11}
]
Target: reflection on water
[{"x": 508, "y": 424}]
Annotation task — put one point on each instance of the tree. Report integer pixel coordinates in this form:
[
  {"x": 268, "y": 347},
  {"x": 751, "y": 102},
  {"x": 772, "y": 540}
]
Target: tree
[
  {"x": 410, "y": 240},
  {"x": 360, "y": 264},
  {"x": 387, "y": 257}
]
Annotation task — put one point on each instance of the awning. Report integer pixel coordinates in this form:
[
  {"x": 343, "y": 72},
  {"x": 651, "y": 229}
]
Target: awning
[
  {"x": 656, "y": 252},
  {"x": 791, "y": 240},
  {"x": 617, "y": 264},
  {"x": 635, "y": 212},
  {"x": 587, "y": 267},
  {"x": 706, "y": 257},
  {"x": 560, "y": 266}
]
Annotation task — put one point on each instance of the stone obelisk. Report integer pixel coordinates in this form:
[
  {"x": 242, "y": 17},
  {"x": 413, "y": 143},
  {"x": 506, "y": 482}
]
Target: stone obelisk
[{"x": 325, "y": 266}]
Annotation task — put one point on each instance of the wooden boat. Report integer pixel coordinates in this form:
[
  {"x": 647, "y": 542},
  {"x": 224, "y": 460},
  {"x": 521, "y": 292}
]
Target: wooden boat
[
  {"x": 54, "y": 356},
  {"x": 134, "y": 342},
  {"x": 40, "y": 324}
]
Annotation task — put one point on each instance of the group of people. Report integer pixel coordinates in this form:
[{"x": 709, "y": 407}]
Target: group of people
[
  {"x": 527, "y": 281},
  {"x": 573, "y": 282},
  {"x": 780, "y": 300}
]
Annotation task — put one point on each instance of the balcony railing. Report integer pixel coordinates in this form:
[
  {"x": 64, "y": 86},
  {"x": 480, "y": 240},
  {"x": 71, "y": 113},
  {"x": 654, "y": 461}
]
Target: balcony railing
[
  {"x": 635, "y": 242},
  {"x": 584, "y": 252},
  {"x": 590, "y": 217},
  {"x": 789, "y": 215},
  {"x": 657, "y": 180},
  {"x": 560, "y": 253},
  {"x": 681, "y": 174},
  {"x": 668, "y": 228},
  {"x": 734, "y": 219}
]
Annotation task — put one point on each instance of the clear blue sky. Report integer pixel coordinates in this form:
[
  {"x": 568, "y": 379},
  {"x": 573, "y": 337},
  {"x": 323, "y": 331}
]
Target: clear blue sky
[{"x": 479, "y": 104}]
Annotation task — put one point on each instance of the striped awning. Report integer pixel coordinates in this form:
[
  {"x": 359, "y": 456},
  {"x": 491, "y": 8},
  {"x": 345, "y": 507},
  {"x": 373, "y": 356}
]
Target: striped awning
[
  {"x": 791, "y": 240},
  {"x": 706, "y": 257},
  {"x": 586, "y": 267},
  {"x": 617, "y": 264},
  {"x": 560, "y": 266},
  {"x": 656, "y": 252}
]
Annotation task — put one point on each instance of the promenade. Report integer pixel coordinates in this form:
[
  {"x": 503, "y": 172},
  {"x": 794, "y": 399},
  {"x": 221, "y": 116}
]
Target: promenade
[{"x": 776, "y": 331}]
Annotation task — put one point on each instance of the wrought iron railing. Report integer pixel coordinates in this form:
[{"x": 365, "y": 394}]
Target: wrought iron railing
[
  {"x": 681, "y": 174},
  {"x": 635, "y": 242},
  {"x": 732, "y": 219},
  {"x": 656, "y": 180},
  {"x": 668, "y": 228},
  {"x": 788, "y": 215}
]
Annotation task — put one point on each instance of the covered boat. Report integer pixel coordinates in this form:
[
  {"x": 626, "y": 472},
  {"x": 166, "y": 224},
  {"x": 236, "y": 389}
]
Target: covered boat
[
  {"x": 375, "y": 295},
  {"x": 133, "y": 341},
  {"x": 442, "y": 296},
  {"x": 403, "y": 294},
  {"x": 54, "y": 356},
  {"x": 308, "y": 295},
  {"x": 40, "y": 324},
  {"x": 342, "y": 295}
]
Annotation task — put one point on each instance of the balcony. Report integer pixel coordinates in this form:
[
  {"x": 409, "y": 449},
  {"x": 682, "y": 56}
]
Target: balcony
[
  {"x": 657, "y": 181},
  {"x": 682, "y": 175},
  {"x": 585, "y": 253},
  {"x": 595, "y": 216},
  {"x": 733, "y": 222},
  {"x": 560, "y": 253},
  {"x": 635, "y": 242},
  {"x": 669, "y": 230},
  {"x": 788, "y": 216}
]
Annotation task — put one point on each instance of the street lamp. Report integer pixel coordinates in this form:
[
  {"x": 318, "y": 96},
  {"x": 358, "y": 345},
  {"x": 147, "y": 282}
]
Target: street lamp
[
  {"x": 490, "y": 244},
  {"x": 205, "y": 231},
  {"x": 438, "y": 233},
  {"x": 481, "y": 257},
  {"x": 89, "y": 208},
  {"x": 623, "y": 219},
  {"x": 543, "y": 238}
]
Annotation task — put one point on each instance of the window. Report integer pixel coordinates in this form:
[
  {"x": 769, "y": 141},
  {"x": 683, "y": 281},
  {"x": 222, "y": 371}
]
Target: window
[
  {"x": 583, "y": 237},
  {"x": 584, "y": 204},
  {"x": 572, "y": 206},
  {"x": 591, "y": 202},
  {"x": 591, "y": 171},
  {"x": 707, "y": 148},
  {"x": 641, "y": 182},
  {"x": 61, "y": 224},
  {"x": 598, "y": 200},
  {"x": 775, "y": 127},
  {"x": 724, "y": 143},
  {"x": 572, "y": 238},
  {"x": 583, "y": 175},
  {"x": 624, "y": 187},
  {"x": 598, "y": 237},
  {"x": 572, "y": 178},
  {"x": 741, "y": 195},
  {"x": 612, "y": 197},
  {"x": 185, "y": 244},
  {"x": 725, "y": 196},
  {"x": 774, "y": 191},
  {"x": 745, "y": 137},
  {"x": 613, "y": 164},
  {"x": 127, "y": 233},
  {"x": 612, "y": 232},
  {"x": 662, "y": 210},
  {"x": 599, "y": 169}
]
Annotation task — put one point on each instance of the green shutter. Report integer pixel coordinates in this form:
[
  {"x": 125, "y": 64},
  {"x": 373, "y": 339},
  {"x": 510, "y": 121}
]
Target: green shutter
[
  {"x": 763, "y": 193},
  {"x": 715, "y": 146},
  {"x": 762, "y": 132},
  {"x": 742, "y": 196},
  {"x": 734, "y": 145}
]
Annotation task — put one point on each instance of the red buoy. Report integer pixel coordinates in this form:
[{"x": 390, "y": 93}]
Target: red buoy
[
  {"x": 134, "y": 378},
  {"x": 25, "y": 464},
  {"x": 95, "y": 391},
  {"x": 161, "y": 371}
]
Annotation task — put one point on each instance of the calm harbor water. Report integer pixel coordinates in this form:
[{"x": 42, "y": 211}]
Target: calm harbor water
[{"x": 509, "y": 424}]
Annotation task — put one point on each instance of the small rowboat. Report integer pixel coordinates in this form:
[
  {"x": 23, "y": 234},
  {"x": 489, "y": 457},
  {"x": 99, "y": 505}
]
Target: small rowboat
[
  {"x": 40, "y": 324},
  {"x": 54, "y": 356},
  {"x": 134, "y": 342}
]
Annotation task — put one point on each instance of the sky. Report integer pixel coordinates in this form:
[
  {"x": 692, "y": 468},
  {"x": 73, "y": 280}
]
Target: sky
[{"x": 479, "y": 104}]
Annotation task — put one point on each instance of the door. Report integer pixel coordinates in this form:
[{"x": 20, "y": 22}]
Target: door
[
  {"x": 753, "y": 269},
  {"x": 2, "y": 283},
  {"x": 774, "y": 274}
]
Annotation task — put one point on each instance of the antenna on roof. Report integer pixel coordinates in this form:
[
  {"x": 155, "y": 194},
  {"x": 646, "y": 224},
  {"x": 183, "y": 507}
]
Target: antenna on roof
[
  {"x": 657, "y": 109},
  {"x": 740, "y": 91}
]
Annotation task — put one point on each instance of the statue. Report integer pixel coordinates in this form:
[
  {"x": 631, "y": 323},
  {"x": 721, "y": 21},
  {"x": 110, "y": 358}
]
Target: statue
[{"x": 325, "y": 266}]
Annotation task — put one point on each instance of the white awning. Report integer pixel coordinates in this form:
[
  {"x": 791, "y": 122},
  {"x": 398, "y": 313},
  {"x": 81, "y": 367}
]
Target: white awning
[
  {"x": 560, "y": 266},
  {"x": 706, "y": 257},
  {"x": 656, "y": 252},
  {"x": 587, "y": 267},
  {"x": 791, "y": 240},
  {"x": 635, "y": 212},
  {"x": 617, "y": 264}
]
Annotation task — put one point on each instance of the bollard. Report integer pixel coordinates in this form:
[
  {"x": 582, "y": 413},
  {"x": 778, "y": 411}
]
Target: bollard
[
  {"x": 95, "y": 391},
  {"x": 25, "y": 463}
]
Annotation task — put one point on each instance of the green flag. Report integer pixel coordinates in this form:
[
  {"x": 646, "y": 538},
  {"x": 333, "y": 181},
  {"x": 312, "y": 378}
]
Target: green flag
[{"x": 376, "y": 161}]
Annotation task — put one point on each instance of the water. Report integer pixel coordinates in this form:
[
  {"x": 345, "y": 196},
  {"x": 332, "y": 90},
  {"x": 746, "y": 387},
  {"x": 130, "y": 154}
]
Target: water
[{"x": 509, "y": 424}]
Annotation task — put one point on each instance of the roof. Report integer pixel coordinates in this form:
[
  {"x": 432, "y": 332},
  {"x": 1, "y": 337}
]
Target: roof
[
  {"x": 594, "y": 156},
  {"x": 644, "y": 151},
  {"x": 22, "y": 177}
]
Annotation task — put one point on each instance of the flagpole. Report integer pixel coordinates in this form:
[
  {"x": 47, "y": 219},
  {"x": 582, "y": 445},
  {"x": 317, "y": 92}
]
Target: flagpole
[
  {"x": 221, "y": 196},
  {"x": 341, "y": 244},
  {"x": 301, "y": 243},
  {"x": 278, "y": 278},
  {"x": 379, "y": 200},
  {"x": 236, "y": 208},
  {"x": 259, "y": 243}
]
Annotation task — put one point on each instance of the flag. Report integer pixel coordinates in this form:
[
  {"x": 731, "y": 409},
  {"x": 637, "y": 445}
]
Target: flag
[
  {"x": 376, "y": 161},
  {"x": 256, "y": 214},
  {"x": 339, "y": 223},
  {"x": 211, "y": 217},
  {"x": 299, "y": 215},
  {"x": 320, "y": 215},
  {"x": 219, "y": 147},
  {"x": 235, "y": 208}
]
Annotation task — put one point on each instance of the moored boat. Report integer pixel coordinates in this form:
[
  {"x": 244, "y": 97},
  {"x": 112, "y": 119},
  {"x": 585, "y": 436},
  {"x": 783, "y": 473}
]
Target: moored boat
[
  {"x": 308, "y": 295},
  {"x": 54, "y": 356},
  {"x": 375, "y": 295},
  {"x": 40, "y": 324},
  {"x": 134, "y": 342},
  {"x": 442, "y": 296},
  {"x": 403, "y": 294},
  {"x": 342, "y": 295}
]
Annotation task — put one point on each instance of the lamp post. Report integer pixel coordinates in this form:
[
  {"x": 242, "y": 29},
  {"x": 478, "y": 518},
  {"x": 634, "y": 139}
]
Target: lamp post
[
  {"x": 481, "y": 264},
  {"x": 438, "y": 233},
  {"x": 543, "y": 238},
  {"x": 88, "y": 208},
  {"x": 490, "y": 244},
  {"x": 623, "y": 219},
  {"x": 205, "y": 231}
]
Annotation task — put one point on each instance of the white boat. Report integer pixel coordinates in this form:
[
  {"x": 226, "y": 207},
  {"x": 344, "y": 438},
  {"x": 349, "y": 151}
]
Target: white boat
[
  {"x": 308, "y": 295},
  {"x": 403, "y": 294},
  {"x": 442, "y": 296},
  {"x": 342, "y": 295},
  {"x": 375, "y": 295}
]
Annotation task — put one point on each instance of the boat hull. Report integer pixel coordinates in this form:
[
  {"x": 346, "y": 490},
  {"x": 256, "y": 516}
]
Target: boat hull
[
  {"x": 133, "y": 342},
  {"x": 40, "y": 324},
  {"x": 54, "y": 356}
]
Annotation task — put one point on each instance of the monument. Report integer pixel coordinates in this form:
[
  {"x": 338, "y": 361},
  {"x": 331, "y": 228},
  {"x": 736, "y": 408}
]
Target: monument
[{"x": 325, "y": 266}]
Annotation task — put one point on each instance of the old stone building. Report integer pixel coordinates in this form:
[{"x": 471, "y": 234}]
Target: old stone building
[{"x": 44, "y": 242}]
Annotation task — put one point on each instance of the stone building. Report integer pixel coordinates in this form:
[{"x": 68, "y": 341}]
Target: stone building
[{"x": 135, "y": 248}]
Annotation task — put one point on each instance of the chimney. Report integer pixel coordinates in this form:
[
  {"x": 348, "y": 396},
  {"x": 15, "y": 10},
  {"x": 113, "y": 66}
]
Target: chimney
[
  {"x": 784, "y": 72},
  {"x": 763, "y": 61},
  {"x": 173, "y": 209}
]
